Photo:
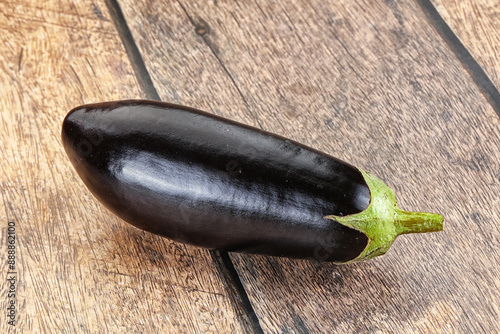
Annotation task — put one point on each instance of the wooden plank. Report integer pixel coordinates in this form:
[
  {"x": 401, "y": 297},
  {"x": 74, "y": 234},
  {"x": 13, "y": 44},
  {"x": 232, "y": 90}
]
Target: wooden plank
[
  {"x": 477, "y": 25},
  {"x": 79, "y": 268},
  {"x": 371, "y": 83}
]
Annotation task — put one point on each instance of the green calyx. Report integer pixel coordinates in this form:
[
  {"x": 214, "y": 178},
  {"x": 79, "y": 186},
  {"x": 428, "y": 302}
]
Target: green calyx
[{"x": 383, "y": 220}]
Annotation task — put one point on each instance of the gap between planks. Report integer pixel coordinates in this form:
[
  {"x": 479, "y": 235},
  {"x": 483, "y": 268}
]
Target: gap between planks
[{"x": 475, "y": 71}]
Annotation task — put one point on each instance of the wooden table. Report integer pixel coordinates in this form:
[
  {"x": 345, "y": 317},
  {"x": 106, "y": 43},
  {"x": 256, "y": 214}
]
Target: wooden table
[{"x": 406, "y": 89}]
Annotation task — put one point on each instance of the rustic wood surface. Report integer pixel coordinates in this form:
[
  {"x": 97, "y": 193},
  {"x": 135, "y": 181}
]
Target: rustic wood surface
[
  {"x": 369, "y": 82},
  {"x": 477, "y": 24}
]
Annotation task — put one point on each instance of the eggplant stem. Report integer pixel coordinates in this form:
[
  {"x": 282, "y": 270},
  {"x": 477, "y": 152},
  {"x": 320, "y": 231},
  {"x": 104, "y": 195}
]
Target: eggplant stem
[
  {"x": 418, "y": 222},
  {"x": 383, "y": 220}
]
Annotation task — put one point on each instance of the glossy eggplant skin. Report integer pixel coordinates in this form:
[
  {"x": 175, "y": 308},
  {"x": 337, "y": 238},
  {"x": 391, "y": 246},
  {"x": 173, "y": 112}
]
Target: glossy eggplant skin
[{"x": 204, "y": 180}]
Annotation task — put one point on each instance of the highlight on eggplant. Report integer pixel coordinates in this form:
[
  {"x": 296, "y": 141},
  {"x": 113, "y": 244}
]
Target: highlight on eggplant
[{"x": 198, "y": 178}]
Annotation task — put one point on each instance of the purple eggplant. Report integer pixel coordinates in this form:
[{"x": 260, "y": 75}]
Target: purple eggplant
[{"x": 204, "y": 180}]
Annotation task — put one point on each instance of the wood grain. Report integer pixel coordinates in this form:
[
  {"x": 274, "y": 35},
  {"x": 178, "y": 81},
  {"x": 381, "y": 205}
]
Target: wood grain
[
  {"x": 80, "y": 269},
  {"x": 371, "y": 83},
  {"x": 477, "y": 24}
]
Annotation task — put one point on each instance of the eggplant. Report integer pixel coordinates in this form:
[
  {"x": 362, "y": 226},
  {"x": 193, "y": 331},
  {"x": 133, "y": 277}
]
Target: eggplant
[{"x": 211, "y": 182}]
